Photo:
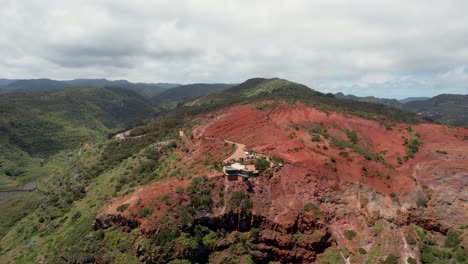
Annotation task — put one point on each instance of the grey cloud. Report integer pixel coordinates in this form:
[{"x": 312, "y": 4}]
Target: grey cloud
[{"x": 360, "y": 46}]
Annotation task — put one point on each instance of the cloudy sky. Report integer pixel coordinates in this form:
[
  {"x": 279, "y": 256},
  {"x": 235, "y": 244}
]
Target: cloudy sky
[{"x": 384, "y": 48}]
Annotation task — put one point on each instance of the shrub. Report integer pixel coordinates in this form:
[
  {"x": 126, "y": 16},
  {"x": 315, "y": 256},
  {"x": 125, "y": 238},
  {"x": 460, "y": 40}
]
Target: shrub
[
  {"x": 261, "y": 164},
  {"x": 378, "y": 227},
  {"x": 122, "y": 207},
  {"x": 391, "y": 259},
  {"x": 394, "y": 197},
  {"x": 400, "y": 161},
  {"x": 350, "y": 234},
  {"x": 166, "y": 200},
  {"x": 452, "y": 240},
  {"x": 410, "y": 239},
  {"x": 413, "y": 144},
  {"x": 344, "y": 153},
  {"x": 427, "y": 257},
  {"x": 421, "y": 202},
  {"x": 352, "y": 136},
  {"x": 411, "y": 260},
  {"x": 180, "y": 190},
  {"x": 145, "y": 211},
  {"x": 277, "y": 160},
  {"x": 236, "y": 198},
  {"x": 76, "y": 216},
  {"x": 316, "y": 138},
  {"x": 441, "y": 152},
  {"x": 311, "y": 206},
  {"x": 338, "y": 143},
  {"x": 362, "y": 251},
  {"x": 420, "y": 231}
]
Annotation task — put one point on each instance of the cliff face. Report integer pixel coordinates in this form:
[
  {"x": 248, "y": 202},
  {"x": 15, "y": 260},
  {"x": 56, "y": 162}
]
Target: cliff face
[{"x": 346, "y": 186}]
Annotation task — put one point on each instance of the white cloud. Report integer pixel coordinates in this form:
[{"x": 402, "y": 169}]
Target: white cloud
[{"x": 406, "y": 46}]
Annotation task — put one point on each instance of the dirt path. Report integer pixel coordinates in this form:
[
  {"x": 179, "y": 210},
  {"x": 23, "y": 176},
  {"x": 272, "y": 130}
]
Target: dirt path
[{"x": 238, "y": 153}]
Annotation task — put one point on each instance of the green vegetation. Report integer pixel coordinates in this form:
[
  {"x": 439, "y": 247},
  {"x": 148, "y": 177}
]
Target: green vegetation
[
  {"x": 373, "y": 254},
  {"x": 445, "y": 108},
  {"x": 55, "y": 224},
  {"x": 378, "y": 227},
  {"x": 410, "y": 239},
  {"x": 394, "y": 197},
  {"x": 362, "y": 251},
  {"x": 420, "y": 231},
  {"x": 331, "y": 256},
  {"x": 352, "y": 136},
  {"x": 391, "y": 259},
  {"x": 258, "y": 89},
  {"x": 145, "y": 211},
  {"x": 318, "y": 129},
  {"x": 441, "y": 152},
  {"x": 261, "y": 164},
  {"x": 412, "y": 146},
  {"x": 350, "y": 234},
  {"x": 184, "y": 93},
  {"x": 421, "y": 202},
  {"x": 312, "y": 207},
  {"x": 36, "y": 125},
  {"x": 57, "y": 220},
  {"x": 449, "y": 252},
  {"x": 411, "y": 260},
  {"x": 122, "y": 207},
  {"x": 452, "y": 239},
  {"x": 316, "y": 138},
  {"x": 16, "y": 208},
  {"x": 240, "y": 201}
]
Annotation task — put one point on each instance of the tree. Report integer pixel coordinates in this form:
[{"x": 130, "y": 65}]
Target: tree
[{"x": 261, "y": 164}]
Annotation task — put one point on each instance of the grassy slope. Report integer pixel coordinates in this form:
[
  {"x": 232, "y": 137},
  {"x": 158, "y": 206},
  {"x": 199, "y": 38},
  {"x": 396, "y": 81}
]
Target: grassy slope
[
  {"x": 34, "y": 126},
  {"x": 55, "y": 224}
]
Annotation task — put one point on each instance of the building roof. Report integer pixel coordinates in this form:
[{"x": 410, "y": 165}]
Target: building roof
[{"x": 238, "y": 166}]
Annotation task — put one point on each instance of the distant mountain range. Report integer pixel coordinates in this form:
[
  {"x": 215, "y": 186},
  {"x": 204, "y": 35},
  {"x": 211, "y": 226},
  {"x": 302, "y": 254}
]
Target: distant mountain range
[
  {"x": 410, "y": 99},
  {"x": 145, "y": 89},
  {"x": 184, "y": 93},
  {"x": 164, "y": 95},
  {"x": 449, "y": 109},
  {"x": 445, "y": 108}
]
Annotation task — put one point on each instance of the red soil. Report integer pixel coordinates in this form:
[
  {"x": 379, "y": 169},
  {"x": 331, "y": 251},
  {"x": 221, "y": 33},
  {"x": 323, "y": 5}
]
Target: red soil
[{"x": 349, "y": 195}]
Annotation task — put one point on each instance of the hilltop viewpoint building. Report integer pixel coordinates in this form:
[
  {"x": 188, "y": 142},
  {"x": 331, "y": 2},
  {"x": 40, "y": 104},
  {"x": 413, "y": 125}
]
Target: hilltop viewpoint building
[{"x": 239, "y": 172}]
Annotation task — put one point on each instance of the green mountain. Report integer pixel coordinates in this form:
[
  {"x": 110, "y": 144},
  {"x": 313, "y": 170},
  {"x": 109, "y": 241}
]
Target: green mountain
[
  {"x": 259, "y": 89},
  {"x": 146, "y": 89},
  {"x": 370, "y": 99},
  {"x": 33, "y": 85},
  {"x": 184, "y": 93},
  {"x": 445, "y": 108},
  {"x": 411, "y": 99},
  {"x": 36, "y": 125}
]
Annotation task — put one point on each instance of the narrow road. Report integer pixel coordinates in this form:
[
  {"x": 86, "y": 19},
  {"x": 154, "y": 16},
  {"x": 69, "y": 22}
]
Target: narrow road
[{"x": 238, "y": 153}]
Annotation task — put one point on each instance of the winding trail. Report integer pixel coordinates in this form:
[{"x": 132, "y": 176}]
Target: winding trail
[{"x": 238, "y": 153}]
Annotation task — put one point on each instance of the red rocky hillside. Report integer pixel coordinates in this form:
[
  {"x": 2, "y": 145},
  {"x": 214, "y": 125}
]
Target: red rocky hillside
[{"x": 341, "y": 189}]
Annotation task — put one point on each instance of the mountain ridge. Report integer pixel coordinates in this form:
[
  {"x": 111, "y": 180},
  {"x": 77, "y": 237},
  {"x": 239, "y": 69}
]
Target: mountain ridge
[{"x": 340, "y": 173}]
